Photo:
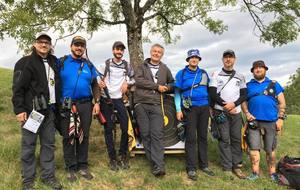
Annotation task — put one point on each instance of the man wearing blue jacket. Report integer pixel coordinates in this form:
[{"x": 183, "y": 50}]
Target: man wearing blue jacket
[
  {"x": 191, "y": 100},
  {"x": 78, "y": 87}
]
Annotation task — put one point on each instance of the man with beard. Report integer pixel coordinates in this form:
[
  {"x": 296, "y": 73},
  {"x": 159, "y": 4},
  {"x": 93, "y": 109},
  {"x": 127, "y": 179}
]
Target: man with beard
[
  {"x": 117, "y": 75},
  {"x": 227, "y": 92},
  {"x": 79, "y": 86},
  {"x": 36, "y": 88},
  {"x": 152, "y": 79},
  {"x": 265, "y": 112},
  {"x": 191, "y": 98}
]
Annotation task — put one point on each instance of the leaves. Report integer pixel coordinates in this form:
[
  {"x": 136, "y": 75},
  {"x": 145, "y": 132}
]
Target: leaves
[{"x": 292, "y": 94}]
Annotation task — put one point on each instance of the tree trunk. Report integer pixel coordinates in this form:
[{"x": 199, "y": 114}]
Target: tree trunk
[{"x": 135, "y": 45}]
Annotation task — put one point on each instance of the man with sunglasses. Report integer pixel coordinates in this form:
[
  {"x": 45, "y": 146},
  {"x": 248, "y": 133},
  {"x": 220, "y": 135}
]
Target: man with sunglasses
[
  {"x": 78, "y": 87},
  {"x": 36, "y": 89}
]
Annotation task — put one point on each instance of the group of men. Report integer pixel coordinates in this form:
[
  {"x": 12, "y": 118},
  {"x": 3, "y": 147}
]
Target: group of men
[{"x": 70, "y": 90}]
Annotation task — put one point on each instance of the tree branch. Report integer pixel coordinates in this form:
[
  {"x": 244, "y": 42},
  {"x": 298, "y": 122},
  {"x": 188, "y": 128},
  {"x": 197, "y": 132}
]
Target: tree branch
[{"x": 147, "y": 6}]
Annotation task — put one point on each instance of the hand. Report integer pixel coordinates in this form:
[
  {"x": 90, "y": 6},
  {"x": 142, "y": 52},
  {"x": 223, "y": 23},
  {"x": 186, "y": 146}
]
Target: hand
[
  {"x": 124, "y": 87},
  {"x": 279, "y": 124},
  {"x": 162, "y": 88},
  {"x": 233, "y": 111},
  {"x": 229, "y": 105},
  {"x": 249, "y": 116},
  {"x": 102, "y": 84},
  {"x": 96, "y": 109},
  {"x": 22, "y": 117},
  {"x": 179, "y": 116}
]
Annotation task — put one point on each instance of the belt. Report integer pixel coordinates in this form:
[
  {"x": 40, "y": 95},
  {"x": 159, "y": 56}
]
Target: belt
[{"x": 82, "y": 100}]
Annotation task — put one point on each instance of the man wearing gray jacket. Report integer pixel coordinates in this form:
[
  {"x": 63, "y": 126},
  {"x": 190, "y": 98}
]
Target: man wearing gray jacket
[{"x": 153, "y": 78}]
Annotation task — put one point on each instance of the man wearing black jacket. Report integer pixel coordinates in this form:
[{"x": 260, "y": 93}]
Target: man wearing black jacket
[
  {"x": 152, "y": 79},
  {"x": 36, "y": 87},
  {"x": 227, "y": 91}
]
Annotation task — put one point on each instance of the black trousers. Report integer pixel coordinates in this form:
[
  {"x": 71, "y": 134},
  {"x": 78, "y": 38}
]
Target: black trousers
[
  {"x": 107, "y": 111},
  {"x": 150, "y": 121},
  {"x": 76, "y": 155},
  {"x": 46, "y": 133},
  {"x": 196, "y": 137}
]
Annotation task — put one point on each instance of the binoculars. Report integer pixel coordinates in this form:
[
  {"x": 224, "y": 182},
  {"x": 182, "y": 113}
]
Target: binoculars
[
  {"x": 40, "y": 103},
  {"x": 67, "y": 103},
  {"x": 253, "y": 124}
]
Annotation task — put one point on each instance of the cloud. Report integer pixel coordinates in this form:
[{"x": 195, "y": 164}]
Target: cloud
[{"x": 282, "y": 61}]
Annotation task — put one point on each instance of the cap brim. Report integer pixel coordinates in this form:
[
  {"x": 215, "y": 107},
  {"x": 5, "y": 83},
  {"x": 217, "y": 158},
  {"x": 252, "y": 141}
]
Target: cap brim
[{"x": 43, "y": 36}]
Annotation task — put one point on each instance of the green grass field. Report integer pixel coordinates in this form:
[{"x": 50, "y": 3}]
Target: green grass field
[{"x": 139, "y": 175}]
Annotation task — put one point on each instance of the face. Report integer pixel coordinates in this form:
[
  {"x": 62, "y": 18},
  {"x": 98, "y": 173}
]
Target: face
[
  {"x": 42, "y": 46},
  {"x": 228, "y": 61},
  {"x": 259, "y": 73},
  {"x": 194, "y": 61},
  {"x": 118, "y": 52},
  {"x": 156, "y": 53},
  {"x": 78, "y": 49}
]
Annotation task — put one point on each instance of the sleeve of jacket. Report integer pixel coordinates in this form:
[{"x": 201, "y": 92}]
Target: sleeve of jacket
[
  {"x": 142, "y": 82},
  {"x": 21, "y": 81}
]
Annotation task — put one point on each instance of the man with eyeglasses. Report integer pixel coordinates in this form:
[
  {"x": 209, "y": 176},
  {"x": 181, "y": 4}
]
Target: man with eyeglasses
[
  {"x": 36, "y": 89},
  {"x": 78, "y": 87}
]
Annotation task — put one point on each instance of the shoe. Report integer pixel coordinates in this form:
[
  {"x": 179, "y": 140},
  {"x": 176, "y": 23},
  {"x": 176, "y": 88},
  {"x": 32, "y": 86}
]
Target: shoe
[
  {"x": 274, "y": 177},
  {"x": 71, "y": 176},
  {"x": 238, "y": 172},
  {"x": 53, "y": 183},
  {"x": 158, "y": 172},
  {"x": 192, "y": 175},
  {"x": 123, "y": 162},
  {"x": 207, "y": 171},
  {"x": 28, "y": 186},
  {"x": 113, "y": 165},
  {"x": 253, "y": 177},
  {"x": 86, "y": 174}
]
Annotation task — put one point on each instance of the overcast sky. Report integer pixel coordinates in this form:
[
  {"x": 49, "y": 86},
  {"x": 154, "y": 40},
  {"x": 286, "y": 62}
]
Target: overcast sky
[{"x": 282, "y": 61}]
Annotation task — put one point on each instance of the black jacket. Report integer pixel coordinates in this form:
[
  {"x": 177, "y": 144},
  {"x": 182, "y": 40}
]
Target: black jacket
[
  {"x": 146, "y": 89},
  {"x": 30, "y": 80}
]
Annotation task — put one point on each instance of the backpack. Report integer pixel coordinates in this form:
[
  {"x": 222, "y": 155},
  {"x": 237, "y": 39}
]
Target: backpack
[
  {"x": 63, "y": 59},
  {"x": 203, "y": 82},
  {"x": 123, "y": 65},
  {"x": 288, "y": 169},
  {"x": 269, "y": 91}
]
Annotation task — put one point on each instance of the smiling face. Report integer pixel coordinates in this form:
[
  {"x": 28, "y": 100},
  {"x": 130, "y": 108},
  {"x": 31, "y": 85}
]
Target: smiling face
[
  {"x": 194, "y": 61},
  {"x": 42, "y": 46},
  {"x": 259, "y": 73},
  {"x": 118, "y": 52},
  {"x": 77, "y": 50},
  {"x": 228, "y": 61},
  {"x": 156, "y": 53}
]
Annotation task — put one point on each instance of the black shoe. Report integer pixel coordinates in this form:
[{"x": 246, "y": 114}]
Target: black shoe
[
  {"x": 71, "y": 176},
  {"x": 28, "y": 186},
  {"x": 192, "y": 175},
  {"x": 208, "y": 171},
  {"x": 86, "y": 174},
  {"x": 53, "y": 183},
  {"x": 158, "y": 172},
  {"x": 123, "y": 162},
  {"x": 113, "y": 165}
]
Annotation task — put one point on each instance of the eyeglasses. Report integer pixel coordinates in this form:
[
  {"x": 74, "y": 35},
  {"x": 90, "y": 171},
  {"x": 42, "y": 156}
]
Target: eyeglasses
[{"x": 43, "y": 42}]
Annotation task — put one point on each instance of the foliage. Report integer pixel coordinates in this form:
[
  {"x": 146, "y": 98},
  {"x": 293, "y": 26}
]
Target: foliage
[
  {"x": 275, "y": 21},
  {"x": 292, "y": 94}
]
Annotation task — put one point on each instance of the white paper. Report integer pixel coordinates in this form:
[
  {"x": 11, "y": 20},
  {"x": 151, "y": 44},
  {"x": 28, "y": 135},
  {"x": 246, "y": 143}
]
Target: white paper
[{"x": 34, "y": 121}]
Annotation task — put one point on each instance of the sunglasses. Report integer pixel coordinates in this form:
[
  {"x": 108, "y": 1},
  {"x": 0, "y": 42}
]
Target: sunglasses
[{"x": 43, "y": 42}]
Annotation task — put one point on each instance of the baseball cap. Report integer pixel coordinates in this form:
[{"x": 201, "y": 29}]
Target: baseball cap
[
  {"x": 78, "y": 39},
  {"x": 258, "y": 63},
  {"x": 118, "y": 44},
  {"x": 193, "y": 53},
  {"x": 228, "y": 52},
  {"x": 43, "y": 36}
]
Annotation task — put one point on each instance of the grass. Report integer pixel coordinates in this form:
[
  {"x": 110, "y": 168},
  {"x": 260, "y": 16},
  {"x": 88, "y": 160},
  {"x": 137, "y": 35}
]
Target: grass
[{"x": 138, "y": 176}]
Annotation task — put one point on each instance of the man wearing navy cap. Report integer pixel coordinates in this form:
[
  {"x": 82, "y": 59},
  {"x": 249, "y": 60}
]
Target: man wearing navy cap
[
  {"x": 227, "y": 91},
  {"x": 192, "y": 105},
  {"x": 265, "y": 109},
  {"x": 36, "y": 88}
]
